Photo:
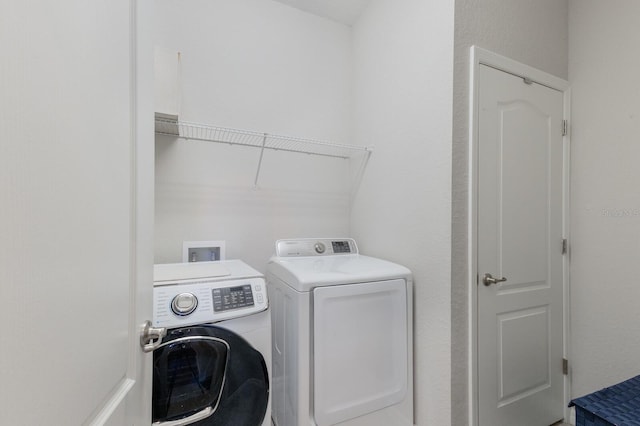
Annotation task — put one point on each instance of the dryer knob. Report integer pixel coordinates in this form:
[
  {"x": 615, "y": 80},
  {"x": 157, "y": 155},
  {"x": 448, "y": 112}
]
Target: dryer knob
[
  {"x": 184, "y": 304},
  {"x": 319, "y": 247}
]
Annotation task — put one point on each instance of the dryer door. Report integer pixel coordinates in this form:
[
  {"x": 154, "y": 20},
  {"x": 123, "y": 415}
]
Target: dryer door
[
  {"x": 360, "y": 349},
  {"x": 207, "y": 375}
]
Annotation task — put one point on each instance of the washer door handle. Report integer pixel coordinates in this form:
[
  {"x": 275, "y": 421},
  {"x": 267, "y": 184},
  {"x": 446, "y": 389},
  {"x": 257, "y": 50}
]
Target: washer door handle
[
  {"x": 200, "y": 415},
  {"x": 151, "y": 337}
]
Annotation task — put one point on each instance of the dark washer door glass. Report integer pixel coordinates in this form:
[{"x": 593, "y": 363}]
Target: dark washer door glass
[
  {"x": 244, "y": 396},
  {"x": 188, "y": 376}
]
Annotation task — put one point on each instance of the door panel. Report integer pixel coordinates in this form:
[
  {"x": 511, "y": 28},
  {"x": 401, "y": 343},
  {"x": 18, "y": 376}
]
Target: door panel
[
  {"x": 522, "y": 339},
  {"x": 67, "y": 223},
  {"x": 524, "y": 170},
  {"x": 520, "y": 320}
]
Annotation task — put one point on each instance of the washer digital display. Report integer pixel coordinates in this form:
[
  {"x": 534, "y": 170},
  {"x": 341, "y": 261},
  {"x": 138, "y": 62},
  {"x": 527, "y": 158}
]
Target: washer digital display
[{"x": 228, "y": 298}]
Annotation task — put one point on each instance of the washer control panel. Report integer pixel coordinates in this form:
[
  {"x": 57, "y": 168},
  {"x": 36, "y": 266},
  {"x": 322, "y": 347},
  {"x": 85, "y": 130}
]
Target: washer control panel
[
  {"x": 315, "y": 247},
  {"x": 200, "y": 302}
]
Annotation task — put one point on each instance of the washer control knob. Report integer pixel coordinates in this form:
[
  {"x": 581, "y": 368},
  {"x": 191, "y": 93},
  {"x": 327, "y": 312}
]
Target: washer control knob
[
  {"x": 319, "y": 247},
  {"x": 184, "y": 304}
]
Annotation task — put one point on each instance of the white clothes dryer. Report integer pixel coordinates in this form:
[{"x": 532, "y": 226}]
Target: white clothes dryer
[
  {"x": 213, "y": 368},
  {"x": 342, "y": 332}
]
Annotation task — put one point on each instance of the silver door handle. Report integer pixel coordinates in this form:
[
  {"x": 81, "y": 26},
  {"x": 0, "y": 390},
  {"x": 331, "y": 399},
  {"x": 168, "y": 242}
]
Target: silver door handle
[
  {"x": 488, "y": 280},
  {"x": 151, "y": 337}
]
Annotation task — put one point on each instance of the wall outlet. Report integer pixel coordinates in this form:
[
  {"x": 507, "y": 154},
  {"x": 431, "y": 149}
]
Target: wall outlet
[{"x": 203, "y": 251}]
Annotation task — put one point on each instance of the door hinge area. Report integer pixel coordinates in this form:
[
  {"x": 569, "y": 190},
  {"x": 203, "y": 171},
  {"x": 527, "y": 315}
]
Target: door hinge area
[
  {"x": 565, "y": 127},
  {"x": 565, "y": 366},
  {"x": 565, "y": 245}
]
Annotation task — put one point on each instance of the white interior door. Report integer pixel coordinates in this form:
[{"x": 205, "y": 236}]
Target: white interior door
[
  {"x": 75, "y": 216},
  {"x": 520, "y": 217}
]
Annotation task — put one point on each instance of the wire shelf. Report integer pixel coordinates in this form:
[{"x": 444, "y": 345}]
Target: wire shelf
[
  {"x": 203, "y": 132},
  {"x": 170, "y": 125}
]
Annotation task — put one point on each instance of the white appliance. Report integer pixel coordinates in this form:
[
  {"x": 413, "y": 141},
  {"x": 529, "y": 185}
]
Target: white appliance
[
  {"x": 342, "y": 336},
  {"x": 224, "y": 303}
]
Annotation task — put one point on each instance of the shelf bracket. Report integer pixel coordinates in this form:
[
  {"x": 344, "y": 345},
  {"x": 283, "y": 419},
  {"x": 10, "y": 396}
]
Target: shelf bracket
[
  {"x": 355, "y": 185},
  {"x": 264, "y": 142}
]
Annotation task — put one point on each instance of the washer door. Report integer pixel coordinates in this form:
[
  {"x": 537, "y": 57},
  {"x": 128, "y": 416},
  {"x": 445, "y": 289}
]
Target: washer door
[{"x": 207, "y": 375}]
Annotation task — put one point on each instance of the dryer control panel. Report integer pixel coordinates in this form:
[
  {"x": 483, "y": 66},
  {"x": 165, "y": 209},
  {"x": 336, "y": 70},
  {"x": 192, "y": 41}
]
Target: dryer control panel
[
  {"x": 315, "y": 247},
  {"x": 207, "y": 301}
]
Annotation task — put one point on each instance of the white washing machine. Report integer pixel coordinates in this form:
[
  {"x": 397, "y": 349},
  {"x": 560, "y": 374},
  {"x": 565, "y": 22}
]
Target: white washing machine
[
  {"x": 214, "y": 365},
  {"x": 342, "y": 336}
]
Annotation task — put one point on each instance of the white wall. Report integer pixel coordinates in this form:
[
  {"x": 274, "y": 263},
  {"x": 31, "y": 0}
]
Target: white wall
[
  {"x": 603, "y": 69},
  {"x": 533, "y": 32},
  {"x": 262, "y": 66},
  {"x": 403, "y": 94}
]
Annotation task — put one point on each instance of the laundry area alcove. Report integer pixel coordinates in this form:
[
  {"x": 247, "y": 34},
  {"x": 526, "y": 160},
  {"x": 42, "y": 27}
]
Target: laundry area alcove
[{"x": 375, "y": 76}]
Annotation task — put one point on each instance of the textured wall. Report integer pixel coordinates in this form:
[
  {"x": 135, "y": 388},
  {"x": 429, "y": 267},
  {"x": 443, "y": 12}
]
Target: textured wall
[
  {"x": 605, "y": 223},
  {"x": 403, "y": 88},
  {"x": 533, "y": 32}
]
